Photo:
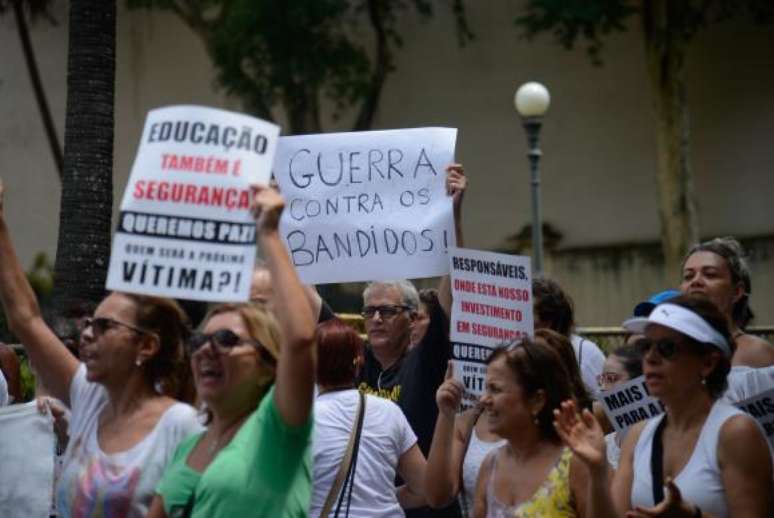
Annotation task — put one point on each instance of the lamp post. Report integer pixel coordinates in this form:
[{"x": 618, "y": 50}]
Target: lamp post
[{"x": 532, "y": 101}]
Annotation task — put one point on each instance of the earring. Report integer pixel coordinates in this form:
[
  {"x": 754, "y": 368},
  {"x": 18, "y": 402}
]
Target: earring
[
  {"x": 703, "y": 381},
  {"x": 535, "y": 419},
  {"x": 138, "y": 362}
]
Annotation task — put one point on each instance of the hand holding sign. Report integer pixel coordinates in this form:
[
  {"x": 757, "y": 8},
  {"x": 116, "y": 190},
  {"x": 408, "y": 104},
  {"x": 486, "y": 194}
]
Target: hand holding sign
[
  {"x": 449, "y": 394},
  {"x": 456, "y": 183},
  {"x": 582, "y": 434},
  {"x": 266, "y": 206}
]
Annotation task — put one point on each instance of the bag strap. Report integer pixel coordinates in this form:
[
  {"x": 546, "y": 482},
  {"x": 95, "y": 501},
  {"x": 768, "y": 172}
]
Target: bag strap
[
  {"x": 657, "y": 462},
  {"x": 349, "y": 481},
  {"x": 346, "y": 461}
]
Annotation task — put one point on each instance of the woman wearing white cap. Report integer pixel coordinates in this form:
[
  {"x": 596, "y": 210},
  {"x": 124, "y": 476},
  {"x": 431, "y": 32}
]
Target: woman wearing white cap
[{"x": 701, "y": 457}]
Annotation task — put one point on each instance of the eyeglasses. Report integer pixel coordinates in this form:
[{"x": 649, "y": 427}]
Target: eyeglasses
[
  {"x": 666, "y": 348},
  {"x": 607, "y": 379},
  {"x": 386, "y": 312},
  {"x": 223, "y": 341},
  {"x": 100, "y": 325}
]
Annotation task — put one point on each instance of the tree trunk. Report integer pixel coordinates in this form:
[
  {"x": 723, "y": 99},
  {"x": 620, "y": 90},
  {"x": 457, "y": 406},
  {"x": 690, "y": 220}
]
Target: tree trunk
[
  {"x": 87, "y": 184},
  {"x": 666, "y": 48}
]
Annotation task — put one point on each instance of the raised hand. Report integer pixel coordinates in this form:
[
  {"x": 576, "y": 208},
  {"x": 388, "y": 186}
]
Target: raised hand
[
  {"x": 266, "y": 204},
  {"x": 673, "y": 506},
  {"x": 582, "y": 434},
  {"x": 456, "y": 183},
  {"x": 449, "y": 394}
]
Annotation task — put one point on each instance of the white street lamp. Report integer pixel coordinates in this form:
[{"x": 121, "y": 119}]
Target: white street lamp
[{"x": 531, "y": 101}]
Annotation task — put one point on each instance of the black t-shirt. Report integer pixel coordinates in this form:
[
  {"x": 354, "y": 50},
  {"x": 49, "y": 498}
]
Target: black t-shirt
[{"x": 412, "y": 382}]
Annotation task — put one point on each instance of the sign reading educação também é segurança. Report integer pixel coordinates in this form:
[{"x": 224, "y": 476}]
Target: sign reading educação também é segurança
[
  {"x": 185, "y": 229},
  {"x": 367, "y": 205}
]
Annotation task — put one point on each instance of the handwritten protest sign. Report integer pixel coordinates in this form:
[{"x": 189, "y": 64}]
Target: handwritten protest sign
[
  {"x": 27, "y": 450},
  {"x": 492, "y": 296},
  {"x": 185, "y": 229},
  {"x": 367, "y": 206},
  {"x": 761, "y": 407},
  {"x": 629, "y": 403}
]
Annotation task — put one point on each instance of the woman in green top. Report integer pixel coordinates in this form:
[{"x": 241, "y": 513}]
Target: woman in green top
[{"x": 253, "y": 460}]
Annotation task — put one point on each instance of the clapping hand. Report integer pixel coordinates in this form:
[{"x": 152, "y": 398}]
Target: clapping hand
[
  {"x": 673, "y": 506},
  {"x": 582, "y": 434}
]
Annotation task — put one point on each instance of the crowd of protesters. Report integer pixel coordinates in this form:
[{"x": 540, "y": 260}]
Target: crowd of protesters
[{"x": 275, "y": 407}]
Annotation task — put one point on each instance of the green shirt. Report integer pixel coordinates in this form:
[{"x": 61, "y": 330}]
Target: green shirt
[{"x": 264, "y": 471}]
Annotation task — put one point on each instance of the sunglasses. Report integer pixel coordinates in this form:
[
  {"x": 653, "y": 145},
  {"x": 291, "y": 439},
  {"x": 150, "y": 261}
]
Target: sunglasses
[
  {"x": 224, "y": 340},
  {"x": 666, "y": 348},
  {"x": 386, "y": 312},
  {"x": 100, "y": 325},
  {"x": 607, "y": 379}
]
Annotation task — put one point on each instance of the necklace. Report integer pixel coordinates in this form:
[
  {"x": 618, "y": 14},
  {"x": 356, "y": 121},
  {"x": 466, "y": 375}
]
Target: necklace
[{"x": 224, "y": 437}]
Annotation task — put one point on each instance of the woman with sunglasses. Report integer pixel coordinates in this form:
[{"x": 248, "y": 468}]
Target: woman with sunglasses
[
  {"x": 717, "y": 270},
  {"x": 255, "y": 370},
  {"x": 701, "y": 457},
  {"x": 123, "y": 429}
]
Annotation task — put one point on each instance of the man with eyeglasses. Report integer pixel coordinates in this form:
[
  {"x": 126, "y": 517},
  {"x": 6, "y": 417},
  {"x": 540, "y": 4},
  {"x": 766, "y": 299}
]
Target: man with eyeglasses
[{"x": 410, "y": 377}]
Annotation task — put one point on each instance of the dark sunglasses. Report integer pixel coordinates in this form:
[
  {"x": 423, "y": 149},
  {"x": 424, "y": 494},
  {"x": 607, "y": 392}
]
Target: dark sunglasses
[
  {"x": 666, "y": 348},
  {"x": 388, "y": 311},
  {"x": 101, "y": 325},
  {"x": 224, "y": 340}
]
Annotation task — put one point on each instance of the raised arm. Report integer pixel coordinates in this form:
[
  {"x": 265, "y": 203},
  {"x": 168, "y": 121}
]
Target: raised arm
[
  {"x": 456, "y": 183},
  {"x": 296, "y": 366},
  {"x": 583, "y": 435},
  {"x": 447, "y": 451},
  {"x": 52, "y": 361}
]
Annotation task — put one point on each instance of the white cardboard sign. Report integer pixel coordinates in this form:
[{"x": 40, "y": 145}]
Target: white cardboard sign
[
  {"x": 629, "y": 403},
  {"x": 367, "y": 205},
  {"x": 492, "y": 304},
  {"x": 761, "y": 408},
  {"x": 185, "y": 229}
]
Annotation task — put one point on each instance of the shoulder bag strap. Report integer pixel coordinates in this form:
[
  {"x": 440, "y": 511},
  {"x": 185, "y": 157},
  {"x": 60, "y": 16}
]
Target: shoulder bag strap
[
  {"x": 346, "y": 461},
  {"x": 657, "y": 462}
]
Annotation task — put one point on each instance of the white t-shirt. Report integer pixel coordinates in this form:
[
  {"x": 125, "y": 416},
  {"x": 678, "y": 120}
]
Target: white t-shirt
[
  {"x": 3, "y": 390},
  {"x": 591, "y": 361},
  {"x": 745, "y": 382},
  {"x": 93, "y": 483},
  {"x": 386, "y": 435}
]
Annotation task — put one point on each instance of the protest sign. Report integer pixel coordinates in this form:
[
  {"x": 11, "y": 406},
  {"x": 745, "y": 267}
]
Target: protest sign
[
  {"x": 629, "y": 403},
  {"x": 27, "y": 450},
  {"x": 492, "y": 296},
  {"x": 367, "y": 205},
  {"x": 761, "y": 407},
  {"x": 185, "y": 229}
]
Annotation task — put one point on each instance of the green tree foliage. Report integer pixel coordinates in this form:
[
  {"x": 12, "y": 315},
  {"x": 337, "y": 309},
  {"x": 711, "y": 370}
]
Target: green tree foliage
[
  {"x": 291, "y": 57},
  {"x": 667, "y": 27}
]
